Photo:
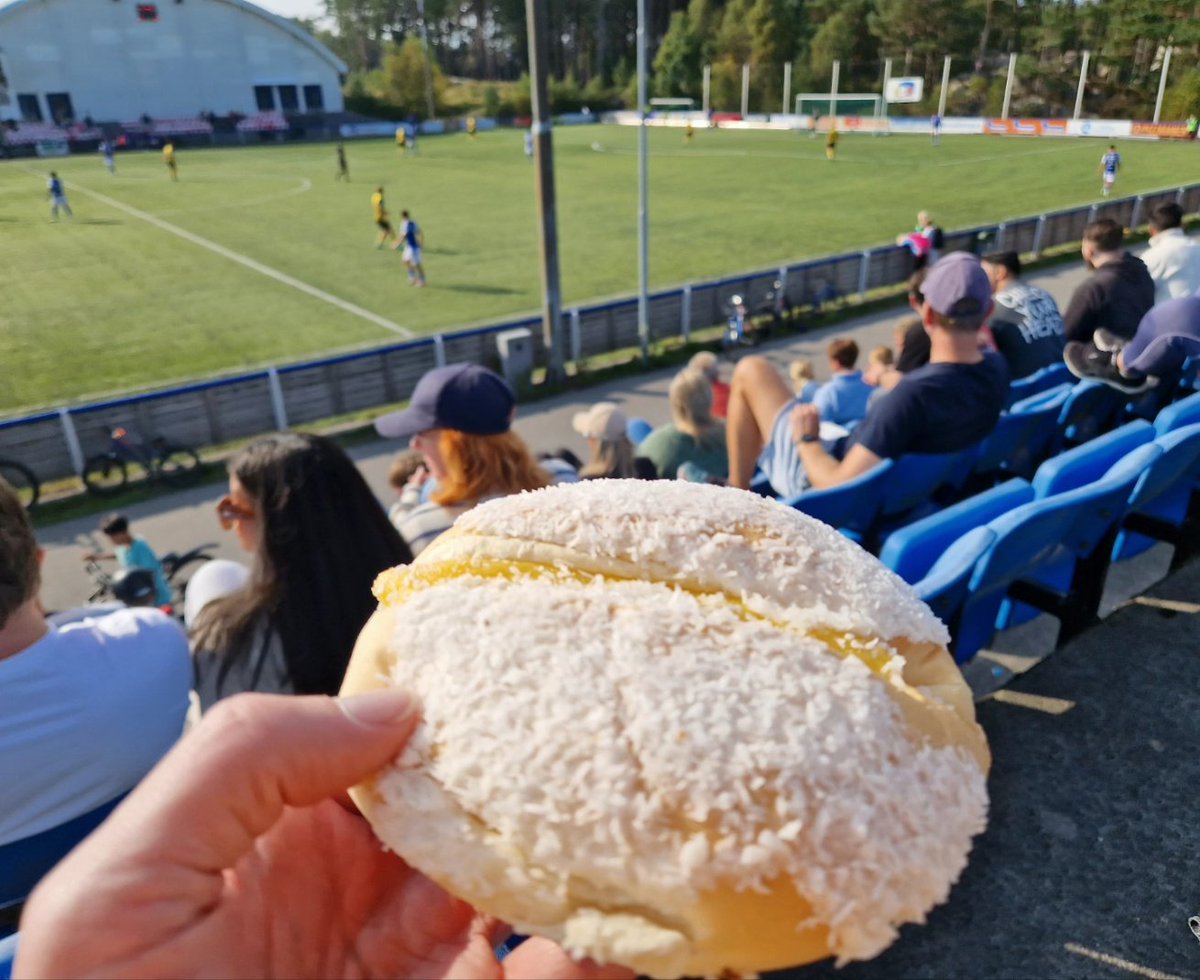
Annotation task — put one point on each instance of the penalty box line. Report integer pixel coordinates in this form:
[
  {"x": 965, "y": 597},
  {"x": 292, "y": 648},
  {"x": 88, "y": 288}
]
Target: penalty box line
[{"x": 248, "y": 262}]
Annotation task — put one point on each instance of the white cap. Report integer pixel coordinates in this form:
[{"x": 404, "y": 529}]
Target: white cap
[
  {"x": 603, "y": 421},
  {"x": 212, "y": 580}
]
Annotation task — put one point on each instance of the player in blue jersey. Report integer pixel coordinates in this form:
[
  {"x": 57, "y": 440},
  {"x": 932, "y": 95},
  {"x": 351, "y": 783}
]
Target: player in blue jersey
[
  {"x": 1110, "y": 163},
  {"x": 58, "y": 197},
  {"x": 412, "y": 238},
  {"x": 106, "y": 151}
]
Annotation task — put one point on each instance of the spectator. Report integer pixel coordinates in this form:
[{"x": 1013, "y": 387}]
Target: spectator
[
  {"x": 843, "y": 399},
  {"x": 1167, "y": 336},
  {"x": 933, "y": 234},
  {"x": 406, "y": 465},
  {"x": 132, "y": 552},
  {"x": 459, "y": 420},
  {"x": 1120, "y": 292},
  {"x": 804, "y": 383},
  {"x": 1173, "y": 259},
  {"x": 611, "y": 452},
  {"x": 692, "y": 435},
  {"x": 318, "y": 538},
  {"x": 879, "y": 361},
  {"x": 912, "y": 342},
  {"x": 174, "y": 880},
  {"x": 949, "y": 404},
  {"x": 707, "y": 364},
  {"x": 86, "y": 709},
  {"x": 1026, "y": 327}
]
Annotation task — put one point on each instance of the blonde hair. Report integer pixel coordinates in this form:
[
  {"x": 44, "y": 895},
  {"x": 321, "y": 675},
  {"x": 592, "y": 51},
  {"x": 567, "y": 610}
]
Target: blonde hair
[
  {"x": 691, "y": 400},
  {"x": 706, "y": 363},
  {"x": 612, "y": 459},
  {"x": 881, "y": 355},
  {"x": 801, "y": 372},
  {"x": 480, "y": 466}
]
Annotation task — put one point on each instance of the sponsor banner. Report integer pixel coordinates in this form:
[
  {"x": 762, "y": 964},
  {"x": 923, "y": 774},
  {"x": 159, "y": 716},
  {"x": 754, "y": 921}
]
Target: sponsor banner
[
  {"x": 1164, "y": 131},
  {"x": 1105, "y": 128},
  {"x": 905, "y": 89},
  {"x": 1025, "y": 127},
  {"x": 575, "y": 119},
  {"x": 352, "y": 130},
  {"x": 52, "y": 148},
  {"x": 860, "y": 124},
  {"x": 431, "y": 127}
]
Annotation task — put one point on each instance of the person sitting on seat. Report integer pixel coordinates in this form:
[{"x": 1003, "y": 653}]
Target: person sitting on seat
[
  {"x": 85, "y": 709},
  {"x": 804, "y": 382},
  {"x": 1026, "y": 327},
  {"x": 843, "y": 399},
  {"x": 707, "y": 364},
  {"x": 611, "y": 452},
  {"x": 692, "y": 436},
  {"x": 948, "y": 405}
]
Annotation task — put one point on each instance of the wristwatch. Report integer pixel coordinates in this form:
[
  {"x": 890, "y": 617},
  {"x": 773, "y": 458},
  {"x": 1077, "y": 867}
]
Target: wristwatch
[{"x": 809, "y": 437}]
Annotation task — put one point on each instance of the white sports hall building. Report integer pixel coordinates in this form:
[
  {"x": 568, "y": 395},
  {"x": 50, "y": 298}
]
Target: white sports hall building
[{"x": 67, "y": 60}]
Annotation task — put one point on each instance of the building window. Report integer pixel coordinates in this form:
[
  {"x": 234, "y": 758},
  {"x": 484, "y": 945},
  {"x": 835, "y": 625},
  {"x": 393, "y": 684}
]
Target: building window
[
  {"x": 289, "y": 100},
  {"x": 61, "y": 111},
  {"x": 314, "y": 98},
  {"x": 31, "y": 109},
  {"x": 147, "y": 12},
  {"x": 264, "y": 98}
]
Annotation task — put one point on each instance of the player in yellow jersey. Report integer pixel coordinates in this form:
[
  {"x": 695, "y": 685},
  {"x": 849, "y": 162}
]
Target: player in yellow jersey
[
  {"x": 689, "y": 133},
  {"x": 472, "y": 126},
  {"x": 831, "y": 142},
  {"x": 169, "y": 159},
  {"x": 386, "y": 232},
  {"x": 401, "y": 137}
]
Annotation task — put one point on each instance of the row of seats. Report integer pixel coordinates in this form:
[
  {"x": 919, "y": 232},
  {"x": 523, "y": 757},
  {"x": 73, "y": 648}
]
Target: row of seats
[
  {"x": 263, "y": 122},
  {"x": 997, "y": 558}
]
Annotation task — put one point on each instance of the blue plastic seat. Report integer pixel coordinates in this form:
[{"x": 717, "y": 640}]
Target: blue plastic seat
[
  {"x": 637, "y": 429},
  {"x": 1041, "y": 380},
  {"x": 945, "y": 585},
  {"x": 1019, "y": 441},
  {"x": 1083, "y": 464},
  {"x": 850, "y": 507},
  {"x": 1163, "y": 498},
  {"x": 1090, "y": 409},
  {"x": 1186, "y": 411},
  {"x": 23, "y": 863},
  {"x": 909, "y": 492}
]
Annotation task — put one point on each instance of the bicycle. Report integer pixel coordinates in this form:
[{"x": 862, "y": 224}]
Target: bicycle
[
  {"x": 178, "y": 568},
  {"x": 21, "y": 478},
  {"x": 108, "y": 473}
]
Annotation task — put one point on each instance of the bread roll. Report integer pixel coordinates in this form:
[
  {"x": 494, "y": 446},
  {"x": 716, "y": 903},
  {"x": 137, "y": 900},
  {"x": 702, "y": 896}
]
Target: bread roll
[{"x": 673, "y": 726}]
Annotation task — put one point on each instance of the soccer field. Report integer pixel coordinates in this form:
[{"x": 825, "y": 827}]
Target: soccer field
[{"x": 258, "y": 256}]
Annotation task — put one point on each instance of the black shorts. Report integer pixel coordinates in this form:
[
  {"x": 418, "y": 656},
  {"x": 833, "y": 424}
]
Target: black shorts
[{"x": 385, "y": 225}]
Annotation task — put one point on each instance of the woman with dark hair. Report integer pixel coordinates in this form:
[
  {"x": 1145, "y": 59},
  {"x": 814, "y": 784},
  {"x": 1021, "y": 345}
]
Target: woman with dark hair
[{"x": 319, "y": 537}]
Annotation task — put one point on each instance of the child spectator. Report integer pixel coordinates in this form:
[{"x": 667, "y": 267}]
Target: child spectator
[
  {"x": 132, "y": 552},
  {"x": 843, "y": 399},
  {"x": 707, "y": 364},
  {"x": 405, "y": 465},
  {"x": 803, "y": 381},
  {"x": 878, "y": 362}
]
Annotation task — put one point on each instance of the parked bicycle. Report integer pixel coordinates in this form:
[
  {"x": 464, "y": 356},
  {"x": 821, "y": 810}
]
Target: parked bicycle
[
  {"x": 108, "y": 472},
  {"x": 178, "y": 568},
  {"x": 21, "y": 478}
]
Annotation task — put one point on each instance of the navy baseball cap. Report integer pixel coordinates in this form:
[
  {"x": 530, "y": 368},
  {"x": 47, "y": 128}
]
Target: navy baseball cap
[
  {"x": 957, "y": 286},
  {"x": 465, "y": 397}
]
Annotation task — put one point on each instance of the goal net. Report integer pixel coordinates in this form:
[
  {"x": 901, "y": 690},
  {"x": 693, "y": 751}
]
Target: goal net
[
  {"x": 673, "y": 105},
  {"x": 850, "y": 104}
]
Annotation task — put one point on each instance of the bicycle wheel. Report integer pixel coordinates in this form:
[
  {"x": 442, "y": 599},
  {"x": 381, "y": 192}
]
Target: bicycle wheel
[
  {"x": 179, "y": 577},
  {"x": 22, "y": 480},
  {"x": 104, "y": 475},
  {"x": 177, "y": 465}
]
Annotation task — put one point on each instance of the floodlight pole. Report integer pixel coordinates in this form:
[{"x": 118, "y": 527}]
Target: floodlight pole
[
  {"x": 543, "y": 156},
  {"x": 1162, "y": 83},
  {"x": 745, "y": 90},
  {"x": 643, "y": 189},
  {"x": 833, "y": 87},
  {"x": 1008, "y": 86},
  {"x": 787, "y": 86},
  {"x": 1087, "y": 56},
  {"x": 887, "y": 77},
  {"x": 428, "y": 61},
  {"x": 945, "y": 86},
  {"x": 707, "y": 88}
]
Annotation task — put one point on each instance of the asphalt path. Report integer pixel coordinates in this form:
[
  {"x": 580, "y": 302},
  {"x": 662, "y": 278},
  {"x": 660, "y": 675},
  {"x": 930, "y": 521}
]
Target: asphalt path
[{"x": 183, "y": 520}]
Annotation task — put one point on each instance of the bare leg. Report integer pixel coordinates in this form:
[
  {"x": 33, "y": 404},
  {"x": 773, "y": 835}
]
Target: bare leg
[{"x": 755, "y": 398}]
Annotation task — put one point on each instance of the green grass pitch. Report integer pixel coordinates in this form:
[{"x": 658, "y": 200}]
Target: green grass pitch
[{"x": 127, "y": 294}]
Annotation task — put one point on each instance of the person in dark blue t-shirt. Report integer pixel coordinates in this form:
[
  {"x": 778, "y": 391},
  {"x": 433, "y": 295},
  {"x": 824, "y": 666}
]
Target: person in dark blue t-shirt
[{"x": 951, "y": 403}]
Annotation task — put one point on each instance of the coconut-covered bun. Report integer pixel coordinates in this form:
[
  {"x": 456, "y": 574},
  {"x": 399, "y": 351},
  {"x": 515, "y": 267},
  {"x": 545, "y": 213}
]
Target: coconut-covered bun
[{"x": 673, "y": 726}]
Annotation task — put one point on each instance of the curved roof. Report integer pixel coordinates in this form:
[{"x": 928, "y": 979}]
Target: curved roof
[{"x": 282, "y": 23}]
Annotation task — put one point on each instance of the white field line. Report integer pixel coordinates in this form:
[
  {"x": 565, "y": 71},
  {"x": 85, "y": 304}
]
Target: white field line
[{"x": 245, "y": 260}]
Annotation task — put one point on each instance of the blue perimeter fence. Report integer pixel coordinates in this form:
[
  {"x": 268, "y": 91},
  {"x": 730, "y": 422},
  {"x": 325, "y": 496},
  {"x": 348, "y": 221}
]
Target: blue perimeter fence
[{"x": 55, "y": 444}]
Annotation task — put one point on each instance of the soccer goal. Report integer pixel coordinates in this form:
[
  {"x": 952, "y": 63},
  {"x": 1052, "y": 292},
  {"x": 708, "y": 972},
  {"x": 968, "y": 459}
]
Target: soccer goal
[
  {"x": 850, "y": 104},
  {"x": 673, "y": 105}
]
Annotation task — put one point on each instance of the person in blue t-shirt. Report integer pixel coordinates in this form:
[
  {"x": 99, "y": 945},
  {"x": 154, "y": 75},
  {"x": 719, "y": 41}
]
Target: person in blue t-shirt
[
  {"x": 132, "y": 552},
  {"x": 413, "y": 240},
  {"x": 949, "y": 404},
  {"x": 58, "y": 197},
  {"x": 1110, "y": 163},
  {"x": 843, "y": 399}
]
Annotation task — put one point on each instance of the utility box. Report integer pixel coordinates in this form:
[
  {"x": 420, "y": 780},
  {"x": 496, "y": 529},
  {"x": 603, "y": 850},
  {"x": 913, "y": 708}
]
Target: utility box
[{"x": 516, "y": 355}]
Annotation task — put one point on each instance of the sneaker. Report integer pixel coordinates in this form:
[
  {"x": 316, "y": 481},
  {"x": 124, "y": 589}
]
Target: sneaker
[
  {"x": 1106, "y": 340},
  {"x": 1088, "y": 362}
]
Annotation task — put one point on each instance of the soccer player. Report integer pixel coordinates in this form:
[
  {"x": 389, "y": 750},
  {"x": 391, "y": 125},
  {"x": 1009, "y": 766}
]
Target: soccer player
[
  {"x": 58, "y": 197},
  {"x": 689, "y": 133},
  {"x": 935, "y": 127},
  {"x": 343, "y": 168},
  {"x": 1110, "y": 163},
  {"x": 472, "y": 126},
  {"x": 412, "y": 238},
  {"x": 386, "y": 232},
  {"x": 169, "y": 159},
  {"x": 831, "y": 142},
  {"x": 529, "y": 143},
  {"x": 402, "y": 138},
  {"x": 106, "y": 151}
]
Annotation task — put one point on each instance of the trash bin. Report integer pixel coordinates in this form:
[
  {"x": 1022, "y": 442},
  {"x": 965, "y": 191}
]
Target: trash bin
[{"x": 516, "y": 355}]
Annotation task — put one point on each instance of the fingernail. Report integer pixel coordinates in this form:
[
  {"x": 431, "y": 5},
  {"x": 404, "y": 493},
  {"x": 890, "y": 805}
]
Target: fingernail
[{"x": 385, "y": 708}]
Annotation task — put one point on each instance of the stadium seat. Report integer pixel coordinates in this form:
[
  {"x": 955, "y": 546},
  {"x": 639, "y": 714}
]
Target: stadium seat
[
  {"x": 1036, "y": 543},
  {"x": 8, "y": 954},
  {"x": 1163, "y": 498},
  {"x": 911, "y": 485},
  {"x": 1089, "y": 409},
  {"x": 1083, "y": 464},
  {"x": 23, "y": 863},
  {"x": 637, "y": 429},
  {"x": 1018, "y": 442},
  {"x": 1186, "y": 411},
  {"x": 850, "y": 507},
  {"x": 1038, "y": 382},
  {"x": 945, "y": 586}
]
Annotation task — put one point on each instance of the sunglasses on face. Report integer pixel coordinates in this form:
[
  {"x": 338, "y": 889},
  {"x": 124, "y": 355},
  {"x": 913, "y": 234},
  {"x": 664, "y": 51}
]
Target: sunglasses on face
[{"x": 230, "y": 512}]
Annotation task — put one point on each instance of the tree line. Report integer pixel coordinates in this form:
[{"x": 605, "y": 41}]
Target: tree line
[{"x": 592, "y": 49}]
